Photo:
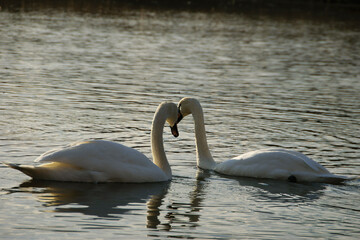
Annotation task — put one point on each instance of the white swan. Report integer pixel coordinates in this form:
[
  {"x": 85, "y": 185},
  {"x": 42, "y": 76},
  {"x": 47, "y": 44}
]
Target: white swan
[
  {"x": 106, "y": 161},
  {"x": 269, "y": 163}
]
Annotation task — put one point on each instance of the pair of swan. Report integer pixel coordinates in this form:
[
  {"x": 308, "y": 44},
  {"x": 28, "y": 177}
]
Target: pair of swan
[{"x": 105, "y": 161}]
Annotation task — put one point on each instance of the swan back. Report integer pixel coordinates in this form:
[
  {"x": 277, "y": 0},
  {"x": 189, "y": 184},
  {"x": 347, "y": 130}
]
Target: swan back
[
  {"x": 95, "y": 154},
  {"x": 282, "y": 157}
]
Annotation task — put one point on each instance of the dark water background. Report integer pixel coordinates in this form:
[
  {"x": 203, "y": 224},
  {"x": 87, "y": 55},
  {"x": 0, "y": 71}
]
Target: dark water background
[{"x": 289, "y": 77}]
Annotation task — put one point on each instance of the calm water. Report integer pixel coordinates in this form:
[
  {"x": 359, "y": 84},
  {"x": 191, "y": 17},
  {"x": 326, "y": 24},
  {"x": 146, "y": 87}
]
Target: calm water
[{"x": 67, "y": 76}]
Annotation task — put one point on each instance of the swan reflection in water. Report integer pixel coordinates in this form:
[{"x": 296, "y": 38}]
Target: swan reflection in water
[
  {"x": 179, "y": 212},
  {"x": 273, "y": 190},
  {"x": 108, "y": 200},
  {"x": 111, "y": 200}
]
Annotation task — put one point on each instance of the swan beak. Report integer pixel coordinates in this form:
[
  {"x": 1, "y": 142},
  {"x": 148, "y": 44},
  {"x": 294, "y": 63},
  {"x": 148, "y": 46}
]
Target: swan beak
[
  {"x": 180, "y": 117},
  {"x": 174, "y": 130}
]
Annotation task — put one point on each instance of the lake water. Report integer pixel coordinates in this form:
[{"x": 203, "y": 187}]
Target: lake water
[{"x": 263, "y": 81}]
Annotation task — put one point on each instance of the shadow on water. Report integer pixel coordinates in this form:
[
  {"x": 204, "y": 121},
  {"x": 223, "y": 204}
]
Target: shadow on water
[{"x": 102, "y": 200}]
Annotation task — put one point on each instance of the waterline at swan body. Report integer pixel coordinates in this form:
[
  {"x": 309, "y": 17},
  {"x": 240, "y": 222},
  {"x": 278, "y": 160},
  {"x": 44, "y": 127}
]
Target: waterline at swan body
[
  {"x": 106, "y": 161},
  {"x": 268, "y": 163}
]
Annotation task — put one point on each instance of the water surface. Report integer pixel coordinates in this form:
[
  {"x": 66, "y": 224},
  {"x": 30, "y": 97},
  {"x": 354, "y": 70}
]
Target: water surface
[{"x": 263, "y": 82}]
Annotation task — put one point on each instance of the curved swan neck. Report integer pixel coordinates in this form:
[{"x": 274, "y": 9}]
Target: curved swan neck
[
  {"x": 203, "y": 155},
  {"x": 157, "y": 144}
]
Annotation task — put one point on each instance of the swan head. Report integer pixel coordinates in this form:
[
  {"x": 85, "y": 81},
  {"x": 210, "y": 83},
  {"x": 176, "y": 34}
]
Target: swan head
[
  {"x": 183, "y": 109},
  {"x": 187, "y": 106},
  {"x": 167, "y": 111},
  {"x": 172, "y": 116}
]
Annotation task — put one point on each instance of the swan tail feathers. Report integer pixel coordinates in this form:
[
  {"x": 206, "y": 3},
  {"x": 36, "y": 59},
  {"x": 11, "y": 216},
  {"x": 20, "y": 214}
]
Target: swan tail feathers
[
  {"x": 334, "y": 179},
  {"x": 60, "y": 172},
  {"x": 28, "y": 170}
]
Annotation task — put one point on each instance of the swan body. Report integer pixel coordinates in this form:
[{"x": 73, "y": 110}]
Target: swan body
[
  {"x": 277, "y": 164},
  {"x": 273, "y": 163},
  {"x": 106, "y": 161}
]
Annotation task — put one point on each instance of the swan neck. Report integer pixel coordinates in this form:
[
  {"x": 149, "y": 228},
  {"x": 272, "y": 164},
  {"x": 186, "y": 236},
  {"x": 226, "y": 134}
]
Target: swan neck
[
  {"x": 157, "y": 144},
  {"x": 203, "y": 155}
]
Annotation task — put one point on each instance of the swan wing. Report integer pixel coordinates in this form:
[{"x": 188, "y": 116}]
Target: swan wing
[
  {"x": 311, "y": 163},
  {"x": 281, "y": 159},
  {"x": 112, "y": 161},
  {"x": 94, "y": 153},
  {"x": 276, "y": 164}
]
